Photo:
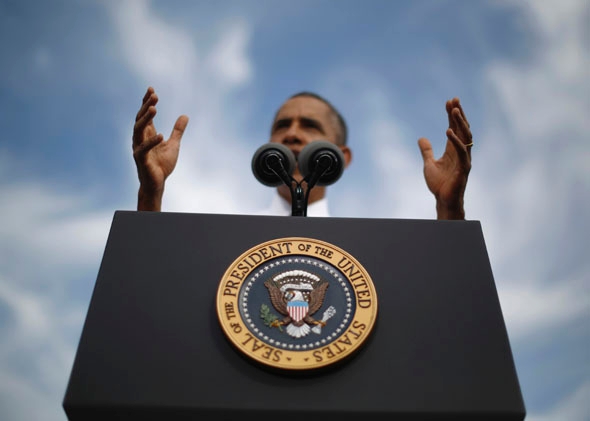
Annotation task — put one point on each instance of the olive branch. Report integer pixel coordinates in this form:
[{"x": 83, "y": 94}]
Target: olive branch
[{"x": 268, "y": 317}]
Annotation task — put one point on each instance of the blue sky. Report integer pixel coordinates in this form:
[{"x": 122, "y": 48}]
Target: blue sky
[{"x": 73, "y": 76}]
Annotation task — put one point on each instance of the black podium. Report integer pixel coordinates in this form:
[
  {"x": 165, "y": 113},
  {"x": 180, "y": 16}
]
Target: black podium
[{"x": 152, "y": 348}]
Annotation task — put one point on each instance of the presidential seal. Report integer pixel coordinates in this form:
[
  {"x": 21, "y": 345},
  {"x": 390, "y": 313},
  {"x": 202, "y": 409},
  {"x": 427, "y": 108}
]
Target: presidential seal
[{"x": 296, "y": 304}]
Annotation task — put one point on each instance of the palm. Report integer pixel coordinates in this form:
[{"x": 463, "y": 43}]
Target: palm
[
  {"x": 155, "y": 158},
  {"x": 161, "y": 159},
  {"x": 446, "y": 177}
]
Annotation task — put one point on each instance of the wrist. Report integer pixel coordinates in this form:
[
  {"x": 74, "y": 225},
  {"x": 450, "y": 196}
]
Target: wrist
[
  {"x": 149, "y": 199},
  {"x": 450, "y": 210}
]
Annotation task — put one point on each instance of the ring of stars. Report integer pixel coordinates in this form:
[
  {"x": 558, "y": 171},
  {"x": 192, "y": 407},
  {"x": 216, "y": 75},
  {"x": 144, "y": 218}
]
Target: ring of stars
[{"x": 304, "y": 346}]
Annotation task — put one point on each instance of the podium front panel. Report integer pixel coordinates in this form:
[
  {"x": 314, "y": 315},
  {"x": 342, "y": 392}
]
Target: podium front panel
[{"x": 152, "y": 347}]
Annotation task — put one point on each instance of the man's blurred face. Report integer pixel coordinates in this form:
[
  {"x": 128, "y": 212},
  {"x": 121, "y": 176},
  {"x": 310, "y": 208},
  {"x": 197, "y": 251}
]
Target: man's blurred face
[{"x": 302, "y": 120}]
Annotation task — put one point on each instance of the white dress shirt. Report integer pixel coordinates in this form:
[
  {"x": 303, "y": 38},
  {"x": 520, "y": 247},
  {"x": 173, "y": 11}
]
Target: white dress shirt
[{"x": 280, "y": 207}]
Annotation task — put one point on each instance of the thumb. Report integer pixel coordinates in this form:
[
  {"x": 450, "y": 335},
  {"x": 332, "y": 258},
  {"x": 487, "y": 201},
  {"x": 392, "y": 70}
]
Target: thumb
[
  {"x": 426, "y": 149},
  {"x": 178, "y": 129}
]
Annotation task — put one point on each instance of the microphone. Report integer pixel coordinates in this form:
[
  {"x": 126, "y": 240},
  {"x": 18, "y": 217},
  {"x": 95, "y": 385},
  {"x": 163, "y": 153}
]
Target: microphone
[
  {"x": 321, "y": 162},
  {"x": 273, "y": 164}
]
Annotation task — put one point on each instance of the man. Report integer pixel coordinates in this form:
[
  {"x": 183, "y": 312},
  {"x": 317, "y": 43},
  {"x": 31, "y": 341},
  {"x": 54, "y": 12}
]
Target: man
[{"x": 302, "y": 119}]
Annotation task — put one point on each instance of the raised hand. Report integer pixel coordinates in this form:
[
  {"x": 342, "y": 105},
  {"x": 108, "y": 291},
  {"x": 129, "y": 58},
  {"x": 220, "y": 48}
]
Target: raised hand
[
  {"x": 447, "y": 177},
  {"x": 155, "y": 158}
]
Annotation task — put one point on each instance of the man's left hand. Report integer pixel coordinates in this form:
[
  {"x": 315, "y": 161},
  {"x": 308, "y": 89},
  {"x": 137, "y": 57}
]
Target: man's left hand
[{"x": 447, "y": 177}]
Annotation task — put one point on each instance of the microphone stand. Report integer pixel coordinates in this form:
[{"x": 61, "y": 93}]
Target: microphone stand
[{"x": 299, "y": 198}]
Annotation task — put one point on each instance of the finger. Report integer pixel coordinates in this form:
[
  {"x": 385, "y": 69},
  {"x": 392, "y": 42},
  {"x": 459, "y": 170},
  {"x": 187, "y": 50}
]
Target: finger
[
  {"x": 463, "y": 126},
  {"x": 460, "y": 107},
  {"x": 152, "y": 100},
  {"x": 426, "y": 149},
  {"x": 142, "y": 123},
  {"x": 449, "y": 107},
  {"x": 178, "y": 129},
  {"x": 142, "y": 149},
  {"x": 462, "y": 151},
  {"x": 145, "y": 119},
  {"x": 149, "y": 91}
]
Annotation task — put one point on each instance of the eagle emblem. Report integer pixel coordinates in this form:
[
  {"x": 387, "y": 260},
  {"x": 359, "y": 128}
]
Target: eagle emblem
[
  {"x": 296, "y": 303},
  {"x": 297, "y": 295}
]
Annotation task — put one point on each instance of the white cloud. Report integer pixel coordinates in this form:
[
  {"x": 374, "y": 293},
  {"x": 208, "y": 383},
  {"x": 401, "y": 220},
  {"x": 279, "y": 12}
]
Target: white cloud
[
  {"x": 56, "y": 237},
  {"x": 157, "y": 52},
  {"x": 532, "y": 309},
  {"x": 530, "y": 179},
  {"x": 537, "y": 139},
  {"x": 529, "y": 186},
  {"x": 544, "y": 97},
  {"x": 51, "y": 245},
  {"x": 533, "y": 147},
  {"x": 228, "y": 60},
  {"x": 554, "y": 18},
  {"x": 575, "y": 407},
  {"x": 21, "y": 399},
  {"x": 399, "y": 166},
  {"x": 28, "y": 311},
  {"x": 54, "y": 227},
  {"x": 202, "y": 85}
]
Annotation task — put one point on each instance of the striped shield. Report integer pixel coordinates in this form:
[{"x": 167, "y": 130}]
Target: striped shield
[{"x": 297, "y": 309}]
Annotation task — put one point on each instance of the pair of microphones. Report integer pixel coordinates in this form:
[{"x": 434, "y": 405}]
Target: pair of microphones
[{"x": 320, "y": 163}]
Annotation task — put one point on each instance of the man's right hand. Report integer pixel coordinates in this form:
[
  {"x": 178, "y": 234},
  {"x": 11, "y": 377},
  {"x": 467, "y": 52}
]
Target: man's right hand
[{"x": 155, "y": 158}]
